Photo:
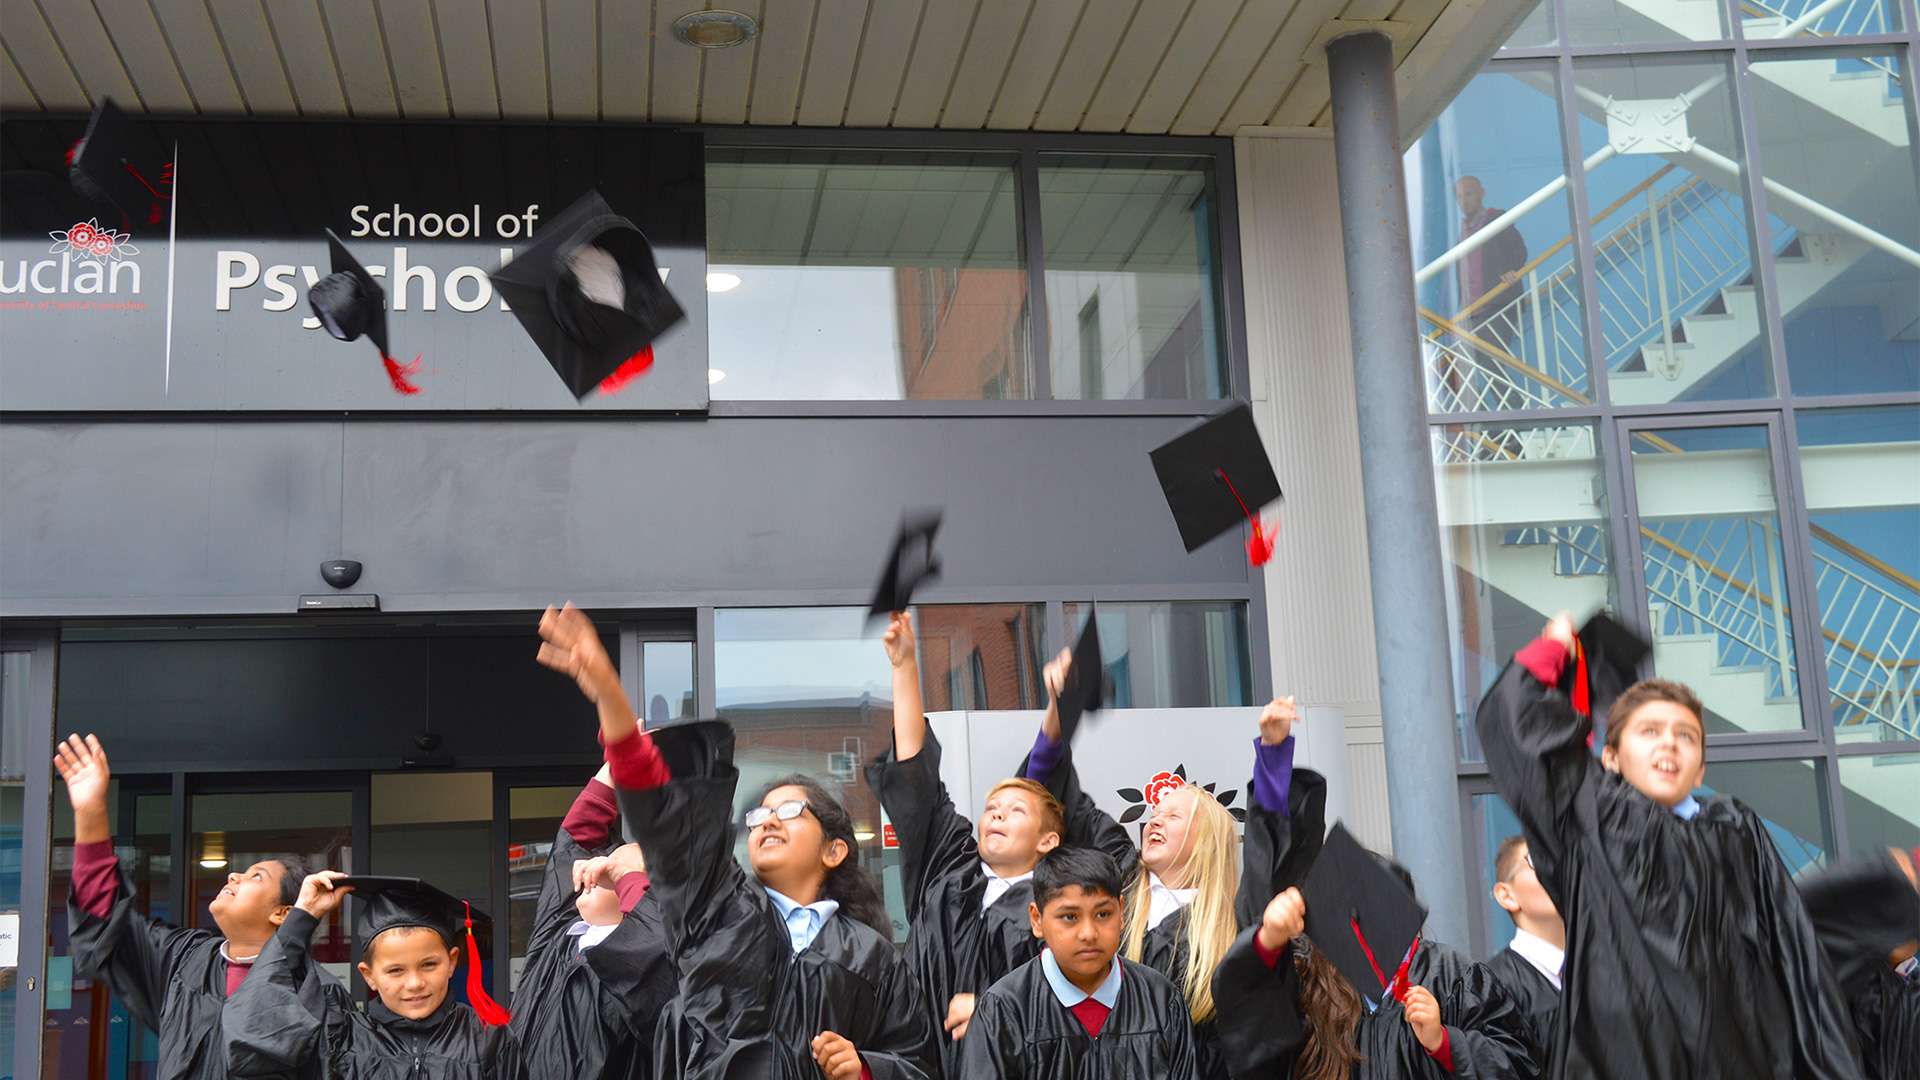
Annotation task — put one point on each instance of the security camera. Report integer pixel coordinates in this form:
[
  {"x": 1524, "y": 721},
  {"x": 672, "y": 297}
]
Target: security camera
[{"x": 340, "y": 573}]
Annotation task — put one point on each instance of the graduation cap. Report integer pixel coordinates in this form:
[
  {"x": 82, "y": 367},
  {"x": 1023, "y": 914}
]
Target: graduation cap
[
  {"x": 1086, "y": 685},
  {"x": 588, "y": 292},
  {"x": 1606, "y": 661},
  {"x": 111, "y": 164},
  {"x": 349, "y": 303},
  {"x": 1361, "y": 916},
  {"x": 911, "y": 564},
  {"x": 404, "y": 901},
  {"x": 1215, "y": 474},
  {"x": 1862, "y": 910}
]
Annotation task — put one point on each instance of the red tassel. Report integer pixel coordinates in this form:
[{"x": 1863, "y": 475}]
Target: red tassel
[
  {"x": 635, "y": 367},
  {"x": 74, "y": 150},
  {"x": 398, "y": 372},
  {"x": 489, "y": 1009},
  {"x": 1259, "y": 542},
  {"x": 1582, "y": 703}
]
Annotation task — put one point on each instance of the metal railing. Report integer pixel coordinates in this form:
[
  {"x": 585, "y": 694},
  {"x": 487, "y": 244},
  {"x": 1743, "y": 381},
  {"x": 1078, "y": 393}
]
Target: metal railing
[
  {"x": 1667, "y": 261},
  {"x": 1845, "y": 17}
]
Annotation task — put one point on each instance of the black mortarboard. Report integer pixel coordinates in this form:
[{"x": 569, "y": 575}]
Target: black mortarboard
[
  {"x": 1354, "y": 904},
  {"x": 1216, "y": 474},
  {"x": 910, "y": 565},
  {"x": 112, "y": 164},
  {"x": 403, "y": 901},
  {"x": 1606, "y": 663},
  {"x": 349, "y": 303},
  {"x": 1086, "y": 685},
  {"x": 588, "y": 292},
  {"x": 1862, "y": 910}
]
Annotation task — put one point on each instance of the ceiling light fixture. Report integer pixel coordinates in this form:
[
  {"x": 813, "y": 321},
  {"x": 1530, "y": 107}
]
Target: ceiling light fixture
[
  {"x": 213, "y": 850},
  {"x": 721, "y": 281},
  {"x": 715, "y": 29}
]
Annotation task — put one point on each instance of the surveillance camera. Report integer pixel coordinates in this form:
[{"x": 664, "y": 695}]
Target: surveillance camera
[{"x": 340, "y": 573}]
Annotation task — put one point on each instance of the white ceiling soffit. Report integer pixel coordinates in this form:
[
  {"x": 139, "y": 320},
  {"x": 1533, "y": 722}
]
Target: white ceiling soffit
[{"x": 1139, "y": 66}]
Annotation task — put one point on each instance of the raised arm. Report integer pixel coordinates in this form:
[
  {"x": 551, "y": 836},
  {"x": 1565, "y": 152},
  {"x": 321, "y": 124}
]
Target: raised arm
[
  {"x": 281, "y": 1017},
  {"x": 1286, "y": 815},
  {"x": 584, "y": 834},
  {"x": 909, "y": 717},
  {"x": 572, "y": 647},
  {"x": 1536, "y": 747},
  {"x": 1051, "y": 763}
]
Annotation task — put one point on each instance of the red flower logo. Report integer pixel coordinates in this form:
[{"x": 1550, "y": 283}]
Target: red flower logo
[
  {"x": 82, "y": 235},
  {"x": 89, "y": 241},
  {"x": 1160, "y": 784}
]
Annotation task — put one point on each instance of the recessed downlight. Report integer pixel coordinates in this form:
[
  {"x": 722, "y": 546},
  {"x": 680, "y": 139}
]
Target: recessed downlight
[{"x": 715, "y": 29}]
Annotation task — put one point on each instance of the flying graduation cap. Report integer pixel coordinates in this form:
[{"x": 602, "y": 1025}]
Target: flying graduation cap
[
  {"x": 910, "y": 565},
  {"x": 112, "y": 164},
  {"x": 403, "y": 901},
  {"x": 588, "y": 292},
  {"x": 1215, "y": 474},
  {"x": 349, "y": 303},
  {"x": 1361, "y": 916},
  {"x": 1862, "y": 910},
  {"x": 1087, "y": 682},
  {"x": 1606, "y": 660}
]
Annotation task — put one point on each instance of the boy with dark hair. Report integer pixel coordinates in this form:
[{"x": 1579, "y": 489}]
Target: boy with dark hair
[
  {"x": 1529, "y": 967},
  {"x": 173, "y": 980},
  {"x": 1689, "y": 953},
  {"x": 1078, "y": 1011}
]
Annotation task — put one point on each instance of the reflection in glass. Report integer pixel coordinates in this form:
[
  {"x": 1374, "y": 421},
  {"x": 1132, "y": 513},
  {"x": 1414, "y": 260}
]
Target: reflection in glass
[
  {"x": 232, "y": 832},
  {"x": 534, "y": 817},
  {"x": 1493, "y": 823},
  {"x": 1716, "y": 580},
  {"x": 859, "y": 274},
  {"x": 439, "y": 827},
  {"x": 666, "y": 671},
  {"x": 1790, "y": 796},
  {"x": 1882, "y": 807},
  {"x": 1183, "y": 654},
  {"x": 1523, "y": 516},
  {"x": 1535, "y": 30},
  {"x": 1500, "y": 324},
  {"x": 986, "y": 656},
  {"x": 15, "y": 699},
  {"x": 1847, "y": 239},
  {"x": 1861, "y": 471},
  {"x": 1633, "y": 22},
  {"x": 1131, "y": 303},
  {"x": 1671, "y": 248}
]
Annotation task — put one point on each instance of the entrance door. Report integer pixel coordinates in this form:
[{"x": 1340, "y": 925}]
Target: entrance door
[{"x": 26, "y": 740}]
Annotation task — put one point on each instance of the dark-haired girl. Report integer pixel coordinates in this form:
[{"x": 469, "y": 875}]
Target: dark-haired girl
[{"x": 786, "y": 972}]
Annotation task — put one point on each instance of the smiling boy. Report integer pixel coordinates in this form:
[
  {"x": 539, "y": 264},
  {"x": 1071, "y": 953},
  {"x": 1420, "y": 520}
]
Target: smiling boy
[
  {"x": 1688, "y": 951},
  {"x": 1078, "y": 1011}
]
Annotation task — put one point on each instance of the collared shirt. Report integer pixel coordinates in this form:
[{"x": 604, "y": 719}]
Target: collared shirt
[
  {"x": 803, "y": 922},
  {"x": 997, "y": 886},
  {"x": 1544, "y": 955},
  {"x": 1686, "y": 808},
  {"x": 589, "y": 934},
  {"x": 1070, "y": 995},
  {"x": 1163, "y": 901}
]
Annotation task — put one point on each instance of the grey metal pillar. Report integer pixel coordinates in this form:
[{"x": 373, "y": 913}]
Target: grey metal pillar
[{"x": 1403, "y": 530}]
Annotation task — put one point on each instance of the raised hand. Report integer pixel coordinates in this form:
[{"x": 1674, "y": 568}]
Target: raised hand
[
  {"x": 1277, "y": 720},
  {"x": 838, "y": 1059},
  {"x": 572, "y": 647},
  {"x": 1055, "y": 674},
  {"x": 899, "y": 639},
  {"x": 959, "y": 1014},
  {"x": 1285, "y": 919},
  {"x": 82, "y": 763},
  {"x": 319, "y": 897},
  {"x": 1423, "y": 1015},
  {"x": 605, "y": 871},
  {"x": 1560, "y": 629}
]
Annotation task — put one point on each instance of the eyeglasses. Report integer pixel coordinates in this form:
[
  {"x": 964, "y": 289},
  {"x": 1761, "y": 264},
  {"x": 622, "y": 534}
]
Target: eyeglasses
[
  {"x": 1527, "y": 857},
  {"x": 786, "y": 811}
]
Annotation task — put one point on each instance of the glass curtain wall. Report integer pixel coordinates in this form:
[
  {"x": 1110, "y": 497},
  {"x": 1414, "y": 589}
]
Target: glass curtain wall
[{"x": 1668, "y": 254}]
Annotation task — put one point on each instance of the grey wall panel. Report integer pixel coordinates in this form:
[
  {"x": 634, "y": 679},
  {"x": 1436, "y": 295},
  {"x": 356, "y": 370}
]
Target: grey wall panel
[{"x": 144, "y": 518}]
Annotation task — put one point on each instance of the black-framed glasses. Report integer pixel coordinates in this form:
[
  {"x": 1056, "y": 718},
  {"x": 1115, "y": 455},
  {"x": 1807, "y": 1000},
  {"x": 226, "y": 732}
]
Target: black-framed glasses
[{"x": 785, "y": 811}]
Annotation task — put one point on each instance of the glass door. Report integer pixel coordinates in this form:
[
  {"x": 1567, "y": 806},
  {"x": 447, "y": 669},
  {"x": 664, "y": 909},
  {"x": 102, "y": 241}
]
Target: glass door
[{"x": 27, "y": 662}]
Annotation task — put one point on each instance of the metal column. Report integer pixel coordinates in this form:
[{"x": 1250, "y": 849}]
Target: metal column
[{"x": 1403, "y": 532}]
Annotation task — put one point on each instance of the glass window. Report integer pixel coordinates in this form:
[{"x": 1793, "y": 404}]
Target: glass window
[
  {"x": 986, "y": 656},
  {"x": 1717, "y": 590},
  {"x": 439, "y": 827},
  {"x": 1536, "y": 30},
  {"x": 1182, "y": 654},
  {"x": 1846, "y": 240},
  {"x": 1861, "y": 471},
  {"x": 534, "y": 816},
  {"x": 1633, "y": 22},
  {"x": 1671, "y": 246},
  {"x": 1881, "y": 793},
  {"x": 15, "y": 699},
  {"x": 860, "y": 274},
  {"x": 1131, "y": 304},
  {"x": 1792, "y": 799},
  {"x": 1500, "y": 324},
  {"x": 666, "y": 673},
  {"x": 232, "y": 832},
  {"x": 1523, "y": 520},
  {"x": 1493, "y": 822},
  {"x": 1773, "y": 18}
]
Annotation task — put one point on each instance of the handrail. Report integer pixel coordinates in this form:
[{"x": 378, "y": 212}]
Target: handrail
[
  {"x": 1864, "y": 557},
  {"x": 1504, "y": 357}
]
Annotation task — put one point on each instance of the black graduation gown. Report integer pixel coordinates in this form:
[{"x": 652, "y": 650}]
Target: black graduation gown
[
  {"x": 591, "y": 1014},
  {"x": 746, "y": 1005},
  {"x": 1263, "y": 1030},
  {"x": 954, "y": 946},
  {"x": 271, "y": 1019},
  {"x": 1020, "y": 1031},
  {"x": 1536, "y": 995},
  {"x": 1689, "y": 953},
  {"x": 1862, "y": 910},
  {"x": 175, "y": 982},
  {"x": 1886, "y": 1015}
]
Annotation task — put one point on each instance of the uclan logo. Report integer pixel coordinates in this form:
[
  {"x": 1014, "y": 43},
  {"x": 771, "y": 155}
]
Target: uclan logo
[{"x": 93, "y": 259}]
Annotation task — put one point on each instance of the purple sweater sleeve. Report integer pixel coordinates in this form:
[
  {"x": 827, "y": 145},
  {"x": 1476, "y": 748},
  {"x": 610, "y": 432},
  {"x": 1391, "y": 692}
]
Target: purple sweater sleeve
[
  {"x": 1045, "y": 757},
  {"x": 1272, "y": 774}
]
